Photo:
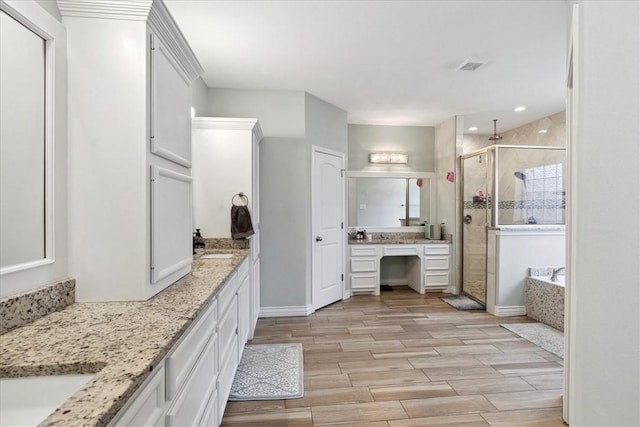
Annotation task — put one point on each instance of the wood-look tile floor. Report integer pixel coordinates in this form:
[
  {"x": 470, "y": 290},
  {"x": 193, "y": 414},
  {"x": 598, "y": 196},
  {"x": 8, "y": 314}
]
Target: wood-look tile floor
[{"x": 404, "y": 359}]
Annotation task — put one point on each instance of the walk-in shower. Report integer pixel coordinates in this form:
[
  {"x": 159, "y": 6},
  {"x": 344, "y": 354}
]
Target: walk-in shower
[{"x": 508, "y": 189}]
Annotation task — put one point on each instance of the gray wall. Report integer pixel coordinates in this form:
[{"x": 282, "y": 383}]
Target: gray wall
[
  {"x": 281, "y": 113},
  {"x": 200, "y": 97},
  {"x": 604, "y": 228},
  {"x": 291, "y": 122},
  {"x": 325, "y": 126},
  {"x": 51, "y": 7},
  {"x": 283, "y": 185},
  {"x": 417, "y": 141}
]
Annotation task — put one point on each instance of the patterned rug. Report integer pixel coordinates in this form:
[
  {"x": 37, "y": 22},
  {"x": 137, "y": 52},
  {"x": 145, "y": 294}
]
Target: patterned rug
[
  {"x": 269, "y": 372},
  {"x": 542, "y": 335},
  {"x": 463, "y": 302}
]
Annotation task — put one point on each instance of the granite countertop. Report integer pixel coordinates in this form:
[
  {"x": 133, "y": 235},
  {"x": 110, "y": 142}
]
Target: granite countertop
[{"x": 121, "y": 342}]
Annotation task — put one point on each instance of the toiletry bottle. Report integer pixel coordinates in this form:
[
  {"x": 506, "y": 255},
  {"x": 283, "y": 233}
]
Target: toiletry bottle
[
  {"x": 443, "y": 230},
  {"x": 427, "y": 229}
]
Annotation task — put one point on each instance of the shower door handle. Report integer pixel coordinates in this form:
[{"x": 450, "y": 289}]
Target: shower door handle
[{"x": 467, "y": 219}]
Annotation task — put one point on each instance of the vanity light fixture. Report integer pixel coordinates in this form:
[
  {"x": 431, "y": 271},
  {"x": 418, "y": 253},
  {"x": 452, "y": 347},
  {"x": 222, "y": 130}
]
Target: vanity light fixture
[{"x": 389, "y": 158}]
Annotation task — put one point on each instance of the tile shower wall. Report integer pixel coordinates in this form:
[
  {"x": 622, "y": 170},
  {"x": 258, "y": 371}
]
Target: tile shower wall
[{"x": 543, "y": 196}]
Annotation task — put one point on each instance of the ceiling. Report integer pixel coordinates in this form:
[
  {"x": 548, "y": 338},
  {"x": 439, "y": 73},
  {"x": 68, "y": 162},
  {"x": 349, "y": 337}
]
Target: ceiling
[{"x": 390, "y": 62}]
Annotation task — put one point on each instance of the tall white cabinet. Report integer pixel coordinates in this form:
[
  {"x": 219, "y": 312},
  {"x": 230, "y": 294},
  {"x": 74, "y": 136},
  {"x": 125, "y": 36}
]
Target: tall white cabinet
[
  {"x": 130, "y": 73},
  {"x": 226, "y": 161}
]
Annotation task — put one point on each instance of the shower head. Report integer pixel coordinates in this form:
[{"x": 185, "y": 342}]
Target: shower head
[
  {"x": 495, "y": 136},
  {"x": 520, "y": 175}
]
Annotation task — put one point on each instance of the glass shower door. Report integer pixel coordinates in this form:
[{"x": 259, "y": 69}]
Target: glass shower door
[{"x": 474, "y": 226}]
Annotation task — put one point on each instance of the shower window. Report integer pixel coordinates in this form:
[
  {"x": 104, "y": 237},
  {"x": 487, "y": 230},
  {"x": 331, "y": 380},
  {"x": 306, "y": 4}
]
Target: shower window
[
  {"x": 530, "y": 187},
  {"x": 544, "y": 197}
]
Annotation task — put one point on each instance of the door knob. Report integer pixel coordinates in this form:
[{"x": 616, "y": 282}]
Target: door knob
[
  {"x": 318, "y": 239},
  {"x": 467, "y": 219}
]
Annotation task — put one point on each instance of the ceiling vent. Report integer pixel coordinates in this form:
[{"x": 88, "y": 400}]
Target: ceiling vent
[{"x": 470, "y": 65}]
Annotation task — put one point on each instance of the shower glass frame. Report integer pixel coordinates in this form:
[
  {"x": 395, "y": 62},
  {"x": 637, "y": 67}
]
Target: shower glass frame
[{"x": 492, "y": 156}]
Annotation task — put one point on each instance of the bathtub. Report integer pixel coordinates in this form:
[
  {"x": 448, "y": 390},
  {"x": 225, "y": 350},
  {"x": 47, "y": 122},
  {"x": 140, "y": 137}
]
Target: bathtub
[{"x": 545, "y": 300}]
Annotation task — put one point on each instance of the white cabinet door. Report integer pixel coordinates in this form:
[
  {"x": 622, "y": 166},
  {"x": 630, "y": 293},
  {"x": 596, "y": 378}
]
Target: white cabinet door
[
  {"x": 170, "y": 107},
  {"x": 244, "y": 312},
  {"x": 171, "y": 240},
  {"x": 147, "y": 408},
  {"x": 255, "y": 296}
]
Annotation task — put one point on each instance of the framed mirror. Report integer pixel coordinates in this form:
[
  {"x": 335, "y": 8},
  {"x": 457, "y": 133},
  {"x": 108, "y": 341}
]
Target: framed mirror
[
  {"x": 389, "y": 200},
  {"x": 25, "y": 145}
]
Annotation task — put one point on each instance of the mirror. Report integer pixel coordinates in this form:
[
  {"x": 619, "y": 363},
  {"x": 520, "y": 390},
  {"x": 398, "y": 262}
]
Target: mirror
[
  {"x": 389, "y": 201},
  {"x": 22, "y": 144}
]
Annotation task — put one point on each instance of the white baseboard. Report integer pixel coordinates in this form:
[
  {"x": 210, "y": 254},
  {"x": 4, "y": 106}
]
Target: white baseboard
[
  {"x": 509, "y": 310},
  {"x": 290, "y": 311}
]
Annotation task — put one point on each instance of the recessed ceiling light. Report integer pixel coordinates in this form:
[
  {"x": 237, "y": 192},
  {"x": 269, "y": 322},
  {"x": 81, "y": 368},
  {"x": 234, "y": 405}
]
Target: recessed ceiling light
[
  {"x": 518, "y": 109},
  {"x": 542, "y": 131},
  {"x": 473, "y": 128}
]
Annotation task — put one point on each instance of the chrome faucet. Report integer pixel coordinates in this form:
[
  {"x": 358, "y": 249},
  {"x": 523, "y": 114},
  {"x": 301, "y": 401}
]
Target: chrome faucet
[{"x": 554, "y": 275}]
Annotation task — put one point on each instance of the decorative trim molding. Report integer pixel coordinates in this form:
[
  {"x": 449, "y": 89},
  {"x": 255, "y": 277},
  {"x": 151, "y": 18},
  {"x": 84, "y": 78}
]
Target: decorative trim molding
[
  {"x": 154, "y": 12},
  {"x": 226, "y": 123},
  {"x": 301, "y": 310},
  {"x": 162, "y": 24},
  {"x": 509, "y": 310},
  {"x": 106, "y": 9}
]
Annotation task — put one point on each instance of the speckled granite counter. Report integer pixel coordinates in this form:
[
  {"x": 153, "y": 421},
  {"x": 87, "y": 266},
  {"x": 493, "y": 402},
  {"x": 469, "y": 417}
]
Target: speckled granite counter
[{"x": 120, "y": 342}]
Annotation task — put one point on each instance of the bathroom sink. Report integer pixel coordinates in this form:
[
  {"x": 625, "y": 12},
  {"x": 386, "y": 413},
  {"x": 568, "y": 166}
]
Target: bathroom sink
[
  {"x": 216, "y": 256},
  {"x": 27, "y": 401}
]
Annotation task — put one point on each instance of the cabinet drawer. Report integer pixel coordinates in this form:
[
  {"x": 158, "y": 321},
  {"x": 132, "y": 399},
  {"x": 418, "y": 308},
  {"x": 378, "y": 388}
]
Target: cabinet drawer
[
  {"x": 436, "y": 263},
  {"x": 227, "y": 293},
  {"x": 182, "y": 359},
  {"x": 363, "y": 250},
  {"x": 441, "y": 249},
  {"x": 400, "y": 250},
  {"x": 147, "y": 407},
  {"x": 228, "y": 329},
  {"x": 364, "y": 265},
  {"x": 434, "y": 279},
  {"x": 225, "y": 378},
  {"x": 364, "y": 282},
  {"x": 210, "y": 416},
  {"x": 191, "y": 403}
]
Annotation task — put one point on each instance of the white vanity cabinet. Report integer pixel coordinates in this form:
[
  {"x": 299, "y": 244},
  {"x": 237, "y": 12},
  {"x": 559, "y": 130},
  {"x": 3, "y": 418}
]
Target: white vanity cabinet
[
  {"x": 130, "y": 73},
  {"x": 192, "y": 383},
  {"x": 428, "y": 266}
]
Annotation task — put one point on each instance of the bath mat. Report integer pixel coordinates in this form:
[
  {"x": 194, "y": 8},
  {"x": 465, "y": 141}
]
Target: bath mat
[
  {"x": 269, "y": 372},
  {"x": 542, "y": 335},
  {"x": 463, "y": 302}
]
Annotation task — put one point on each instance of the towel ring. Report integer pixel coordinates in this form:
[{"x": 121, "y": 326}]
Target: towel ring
[{"x": 242, "y": 196}]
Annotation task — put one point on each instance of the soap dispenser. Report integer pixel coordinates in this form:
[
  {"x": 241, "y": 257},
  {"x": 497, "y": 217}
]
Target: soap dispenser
[
  {"x": 427, "y": 229},
  {"x": 443, "y": 230}
]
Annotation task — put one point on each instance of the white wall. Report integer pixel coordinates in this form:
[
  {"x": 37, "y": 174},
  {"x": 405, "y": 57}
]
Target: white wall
[
  {"x": 604, "y": 357},
  {"x": 25, "y": 280},
  {"x": 417, "y": 141}
]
